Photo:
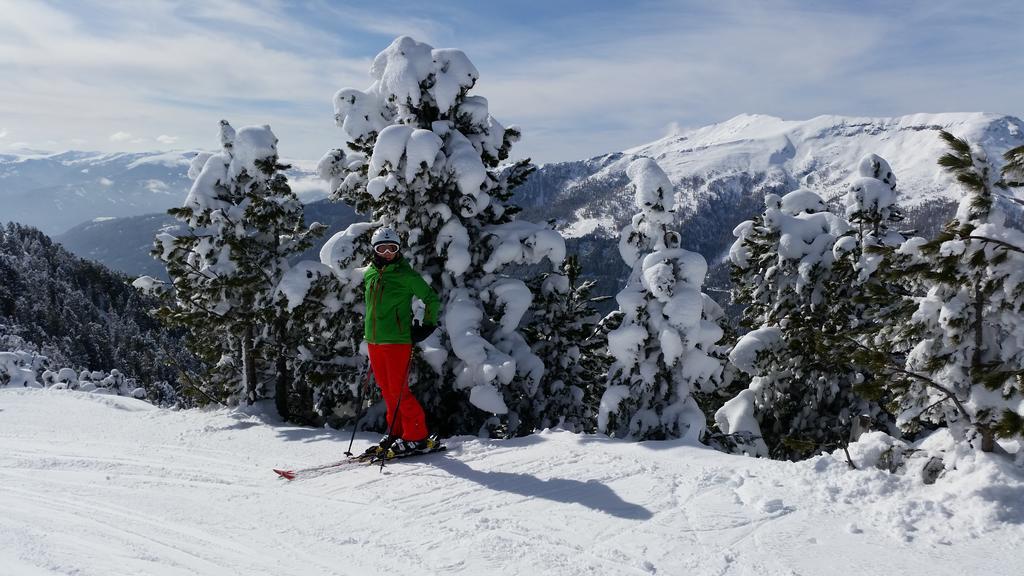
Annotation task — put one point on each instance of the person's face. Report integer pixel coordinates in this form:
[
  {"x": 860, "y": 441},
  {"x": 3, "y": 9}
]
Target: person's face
[{"x": 386, "y": 251}]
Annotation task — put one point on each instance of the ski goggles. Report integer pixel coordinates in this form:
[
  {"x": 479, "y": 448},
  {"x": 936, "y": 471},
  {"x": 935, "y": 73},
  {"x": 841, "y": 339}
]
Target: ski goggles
[{"x": 386, "y": 249}]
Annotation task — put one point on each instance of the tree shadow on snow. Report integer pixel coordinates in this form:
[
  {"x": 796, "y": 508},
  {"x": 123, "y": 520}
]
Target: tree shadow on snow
[
  {"x": 242, "y": 425},
  {"x": 310, "y": 435},
  {"x": 591, "y": 494},
  {"x": 1007, "y": 501}
]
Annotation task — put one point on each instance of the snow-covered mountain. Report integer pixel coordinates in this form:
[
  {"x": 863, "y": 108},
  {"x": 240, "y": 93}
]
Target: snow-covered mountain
[
  {"x": 97, "y": 485},
  {"x": 54, "y": 192},
  {"x": 721, "y": 173}
]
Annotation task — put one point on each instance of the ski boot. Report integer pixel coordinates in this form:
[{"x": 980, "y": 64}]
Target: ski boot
[
  {"x": 402, "y": 447},
  {"x": 381, "y": 448}
]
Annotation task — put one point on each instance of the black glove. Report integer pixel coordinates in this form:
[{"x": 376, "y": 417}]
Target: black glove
[{"x": 421, "y": 332}]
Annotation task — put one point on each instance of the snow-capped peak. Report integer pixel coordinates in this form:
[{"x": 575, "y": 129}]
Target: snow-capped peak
[{"x": 751, "y": 152}]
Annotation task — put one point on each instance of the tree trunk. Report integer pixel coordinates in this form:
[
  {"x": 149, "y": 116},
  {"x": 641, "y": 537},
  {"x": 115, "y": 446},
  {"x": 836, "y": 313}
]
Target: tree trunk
[
  {"x": 988, "y": 435},
  {"x": 282, "y": 381},
  {"x": 282, "y": 388},
  {"x": 248, "y": 365},
  {"x": 303, "y": 400},
  {"x": 979, "y": 307},
  {"x": 988, "y": 439}
]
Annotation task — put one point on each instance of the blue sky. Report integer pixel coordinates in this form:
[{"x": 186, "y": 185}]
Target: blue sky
[{"x": 580, "y": 78}]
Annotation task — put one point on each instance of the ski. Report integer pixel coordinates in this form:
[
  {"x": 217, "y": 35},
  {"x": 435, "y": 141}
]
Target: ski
[
  {"x": 317, "y": 470},
  {"x": 365, "y": 459}
]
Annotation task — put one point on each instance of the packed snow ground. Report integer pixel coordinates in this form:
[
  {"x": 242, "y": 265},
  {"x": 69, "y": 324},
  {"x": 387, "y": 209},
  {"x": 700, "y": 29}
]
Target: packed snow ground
[{"x": 105, "y": 485}]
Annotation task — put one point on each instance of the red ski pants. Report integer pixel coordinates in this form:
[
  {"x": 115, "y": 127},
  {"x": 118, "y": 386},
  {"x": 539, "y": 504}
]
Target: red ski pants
[{"x": 390, "y": 363}]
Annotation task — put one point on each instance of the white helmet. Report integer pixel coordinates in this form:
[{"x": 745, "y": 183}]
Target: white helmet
[{"x": 385, "y": 235}]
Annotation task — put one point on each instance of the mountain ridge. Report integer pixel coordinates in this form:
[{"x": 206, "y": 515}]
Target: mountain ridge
[
  {"x": 821, "y": 153},
  {"x": 721, "y": 173},
  {"x": 54, "y": 192}
]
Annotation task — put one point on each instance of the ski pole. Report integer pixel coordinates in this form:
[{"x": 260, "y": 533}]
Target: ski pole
[{"x": 360, "y": 410}]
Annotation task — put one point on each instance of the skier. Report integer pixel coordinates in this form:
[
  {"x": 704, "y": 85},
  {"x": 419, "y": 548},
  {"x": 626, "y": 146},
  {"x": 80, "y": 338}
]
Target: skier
[{"x": 390, "y": 284}]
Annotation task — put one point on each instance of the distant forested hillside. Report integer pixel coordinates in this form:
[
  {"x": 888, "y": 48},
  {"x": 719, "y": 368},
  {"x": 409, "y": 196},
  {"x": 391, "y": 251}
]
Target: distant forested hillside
[{"x": 82, "y": 315}]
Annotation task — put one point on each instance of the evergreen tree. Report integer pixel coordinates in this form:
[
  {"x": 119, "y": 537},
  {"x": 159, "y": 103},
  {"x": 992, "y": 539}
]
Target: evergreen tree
[
  {"x": 801, "y": 394},
  {"x": 662, "y": 347},
  {"x": 966, "y": 366},
  {"x": 424, "y": 157},
  {"x": 867, "y": 285},
  {"x": 243, "y": 223},
  {"x": 871, "y": 209},
  {"x": 564, "y": 333},
  {"x": 326, "y": 304}
]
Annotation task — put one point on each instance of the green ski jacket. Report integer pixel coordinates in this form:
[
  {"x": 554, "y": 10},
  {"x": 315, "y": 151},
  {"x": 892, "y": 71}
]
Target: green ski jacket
[{"x": 389, "y": 292}]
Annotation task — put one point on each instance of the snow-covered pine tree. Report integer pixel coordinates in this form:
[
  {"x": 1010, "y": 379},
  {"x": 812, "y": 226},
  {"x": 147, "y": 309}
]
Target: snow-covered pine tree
[
  {"x": 801, "y": 395},
  {"x": 1012, "y": 423},
  {"x": 966, "y": 370},
  {"x": 865, "y": 284},
  {"x": 316, "y": 355},
  {"x": 872, "y": 211},
  {"x": 243, "y": 223},
  {"x": 424, "y": 157},
  {"x": 563, "y": 331},
  {"x": 335, "y": 323},
  {"x": 662, "y": 346}
]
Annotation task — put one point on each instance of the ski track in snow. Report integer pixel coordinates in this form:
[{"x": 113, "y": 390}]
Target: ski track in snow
[{"x": 96, "y": 485}]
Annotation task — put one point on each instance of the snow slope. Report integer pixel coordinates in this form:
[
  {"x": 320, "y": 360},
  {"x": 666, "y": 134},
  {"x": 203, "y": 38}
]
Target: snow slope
[{"x": 106, "y": 485}]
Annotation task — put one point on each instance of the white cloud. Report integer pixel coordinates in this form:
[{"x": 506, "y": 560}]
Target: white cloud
[
  {"x": 157, "y": 186},
  {"x": 577, "y": 84},
  {"x": 310, "y": 188},
  {"x": 622, "y": 89},
  {"x": 121, "y": 137},
  {"x": 3, "y": 133},
  {"x": 392, "y": 24},
  {"x": 184, "y": 65}
]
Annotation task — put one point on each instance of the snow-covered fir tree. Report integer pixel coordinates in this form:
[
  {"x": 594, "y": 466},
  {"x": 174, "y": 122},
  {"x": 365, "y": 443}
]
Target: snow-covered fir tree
[
  {"x": 316, "y": 355},
  {"x": 872, "y": 211},
  {"x": 243, "y": 223},
  {"x": 965, "y": 369},
  {"x": 564, "y": 333},
  {"x": 424, "y": 157},
  {"x": 337, "y": 327},
  {"x": 865, "y": 282},
  {"x": 662, "y": 348},
  {"x": 801, "y": 395}
]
